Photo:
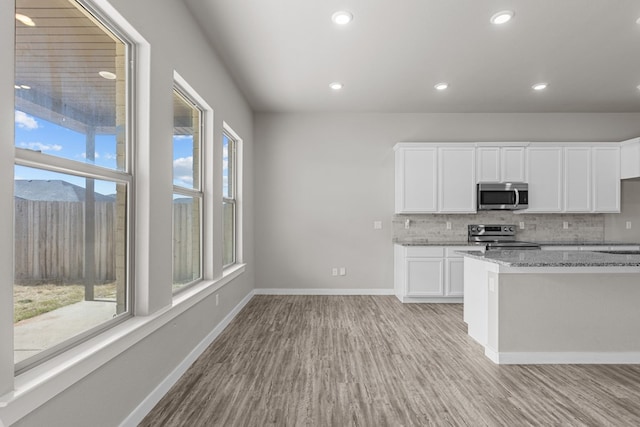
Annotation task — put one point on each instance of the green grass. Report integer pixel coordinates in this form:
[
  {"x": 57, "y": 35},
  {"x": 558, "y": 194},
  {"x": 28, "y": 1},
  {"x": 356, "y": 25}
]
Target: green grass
[{"x": 33, "y": 300}]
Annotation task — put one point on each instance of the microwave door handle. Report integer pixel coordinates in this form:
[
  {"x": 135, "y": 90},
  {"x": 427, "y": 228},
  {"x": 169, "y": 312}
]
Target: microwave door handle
[{"x": 517, "y": 197}]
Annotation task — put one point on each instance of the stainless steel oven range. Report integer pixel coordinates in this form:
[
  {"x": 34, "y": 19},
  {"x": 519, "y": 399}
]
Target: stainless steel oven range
[{"x": 497, "y": 237}]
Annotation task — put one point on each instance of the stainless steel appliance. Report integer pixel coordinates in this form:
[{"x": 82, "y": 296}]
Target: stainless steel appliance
[
  {"x": 503, "y": 196},
  {"x": 497, "y": 237}
]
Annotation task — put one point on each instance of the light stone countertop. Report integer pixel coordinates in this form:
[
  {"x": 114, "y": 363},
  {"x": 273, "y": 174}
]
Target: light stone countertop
[
  {"x": 425, "y": 242},
  {"x": 539, "y": 258}
]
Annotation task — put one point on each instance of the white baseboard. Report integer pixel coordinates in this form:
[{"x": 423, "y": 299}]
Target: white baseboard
[
  {"x": 563, "y": 358},
  {"x": 158, "y": 393},
  {"x": 322, "y": 291}
]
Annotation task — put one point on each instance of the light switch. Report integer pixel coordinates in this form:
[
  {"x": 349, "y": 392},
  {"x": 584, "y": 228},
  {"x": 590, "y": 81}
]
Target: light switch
[
  {"x": 377, "y": 225},
  {"x": 628, "y": 225}
]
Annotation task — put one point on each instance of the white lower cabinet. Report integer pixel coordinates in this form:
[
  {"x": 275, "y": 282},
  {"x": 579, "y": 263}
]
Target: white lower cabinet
[{"x": 430, "y": 273}]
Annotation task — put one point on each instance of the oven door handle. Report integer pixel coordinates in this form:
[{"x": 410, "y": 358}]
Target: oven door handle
[{"x": 517, "y": 197}]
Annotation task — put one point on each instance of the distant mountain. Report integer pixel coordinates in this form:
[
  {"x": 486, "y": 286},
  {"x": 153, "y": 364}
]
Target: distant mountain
[{"x": 54, "y": 190}]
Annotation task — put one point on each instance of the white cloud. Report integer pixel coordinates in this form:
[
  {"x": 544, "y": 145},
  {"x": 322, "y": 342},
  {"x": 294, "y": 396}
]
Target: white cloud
[
  {"x": 183, "y": 170},
  {"x": 39, "y": 146},
  {"x": 25, "y": 121},
  {"x": 108, "y": 156},
  {"x": 182, "y": 137}
]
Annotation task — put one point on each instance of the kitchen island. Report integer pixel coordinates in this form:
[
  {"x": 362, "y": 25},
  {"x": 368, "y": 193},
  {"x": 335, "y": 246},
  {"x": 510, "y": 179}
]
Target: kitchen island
[{"x": 532, "y": 306}]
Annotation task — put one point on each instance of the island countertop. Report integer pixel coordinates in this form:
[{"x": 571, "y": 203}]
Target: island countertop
[{"x": 539, "y": 258}]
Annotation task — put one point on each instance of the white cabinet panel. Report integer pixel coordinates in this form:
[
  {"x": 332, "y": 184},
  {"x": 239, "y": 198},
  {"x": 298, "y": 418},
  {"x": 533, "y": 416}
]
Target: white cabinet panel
[
  {"x": 500, "y": 164},
  {"x": 424, "y": 277},
  {"x": 416, "y": 180},
  {"x": 513, "y": 164},
  {"x": 457, "y": 185},
  {"x": 544, "y": 170},
  {"x": 630, "y": 159},
  {"x": 488, "y": 164},
  {"x": 577, "y": 179},
  {"x": 606, "y": 179},
  {"x": 454, "y": 286}
]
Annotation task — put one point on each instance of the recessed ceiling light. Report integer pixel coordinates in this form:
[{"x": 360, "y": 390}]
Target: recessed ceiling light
[
  {"x": 638, "y": 87},
  {"x": 342, "y": 17},
  {"x": 25, "y": 20},
  {"x": 638, "y": 21},
  {"x": 336, "y": 85},
  {"x": 107, "y": 75},
  {"x": 441, "y": 86},
  {"x": 539, "y": 86},
  {"x": 502, "y": 17}
]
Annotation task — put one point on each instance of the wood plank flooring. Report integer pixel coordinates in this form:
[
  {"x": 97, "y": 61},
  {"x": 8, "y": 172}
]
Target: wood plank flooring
[{"x": 372, "y": 361}]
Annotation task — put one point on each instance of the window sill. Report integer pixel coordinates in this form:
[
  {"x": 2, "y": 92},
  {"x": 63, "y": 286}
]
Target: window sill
[{"x": 43, "y": 382}]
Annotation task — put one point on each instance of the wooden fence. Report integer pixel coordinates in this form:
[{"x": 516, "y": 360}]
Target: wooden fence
[{"x": 50, "y": 242}]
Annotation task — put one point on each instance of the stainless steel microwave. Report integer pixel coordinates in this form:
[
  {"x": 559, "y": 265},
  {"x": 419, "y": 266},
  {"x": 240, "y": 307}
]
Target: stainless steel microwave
[{"x": 503, "y": 196}]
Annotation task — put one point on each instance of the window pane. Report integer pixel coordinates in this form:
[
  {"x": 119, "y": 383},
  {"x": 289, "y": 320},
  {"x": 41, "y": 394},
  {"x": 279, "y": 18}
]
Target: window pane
[
  {"x": 186, "y": 240},
  {"x": 229, "y": 233},
  {"x": 186, "y": 143},
  {"x": 63, "y": 106},
  {"x": 70, "y": 269},
  {"x": 227, "y": 168}
]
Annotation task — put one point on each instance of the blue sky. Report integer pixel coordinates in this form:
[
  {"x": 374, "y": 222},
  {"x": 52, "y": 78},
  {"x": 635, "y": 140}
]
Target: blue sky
[{"x": 49, "y": 138}]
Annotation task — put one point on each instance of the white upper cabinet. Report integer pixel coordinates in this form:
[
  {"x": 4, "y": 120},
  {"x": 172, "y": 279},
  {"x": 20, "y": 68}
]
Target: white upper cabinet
[
  {"x": 630, "y": 159},
  {"x": 457, "y": 173},
  {"x": 416, "y": 179},
  {"x": 606, "y": 178},
  {"x": 545, "y": 178},
  {"x": 501, "y": 164},
  {"x": 577, "y": 179},
  {"x": 435, "y": 178}
]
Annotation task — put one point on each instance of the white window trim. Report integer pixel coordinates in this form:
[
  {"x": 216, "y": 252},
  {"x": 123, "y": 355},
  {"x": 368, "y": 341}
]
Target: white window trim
[
  {"x": 238, "y": 195},
  {"x": 206, "y": 163}
]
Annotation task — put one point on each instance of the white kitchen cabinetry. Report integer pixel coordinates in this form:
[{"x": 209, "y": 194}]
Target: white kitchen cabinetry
[
  {"x": 606, "y": 179},
  {"x": 630, "y": 158},
  {"x": 544, "y": 175},
  {"x": 577, "y": 179},
  {"x": 429, "y": 273},
  {"x": 416, "y": 179},
  {"x": 435, "y": 178},
  {"x": 457, "y": 185},
  {"x": 501, "y": 164}
]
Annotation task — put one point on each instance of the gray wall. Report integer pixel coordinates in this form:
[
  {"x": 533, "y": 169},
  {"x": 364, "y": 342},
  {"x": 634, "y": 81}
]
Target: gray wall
[
  {"x": 322, "y": 179},
  {"x": 112, "y": 392}
]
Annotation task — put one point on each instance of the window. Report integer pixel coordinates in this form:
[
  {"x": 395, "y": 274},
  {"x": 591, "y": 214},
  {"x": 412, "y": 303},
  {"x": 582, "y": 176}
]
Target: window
[
  {"x": 72, "y": 178},
  {"x": 229, "y": 196},
  {"x": 187, "y": 191}
]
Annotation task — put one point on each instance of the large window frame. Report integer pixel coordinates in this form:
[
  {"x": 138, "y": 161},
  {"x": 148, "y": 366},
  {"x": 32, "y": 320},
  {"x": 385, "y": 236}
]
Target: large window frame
[
  {"x": 201, "y": 192},
  {"x": 232, "y": 198},
  {"x": 123, "y": 175}
]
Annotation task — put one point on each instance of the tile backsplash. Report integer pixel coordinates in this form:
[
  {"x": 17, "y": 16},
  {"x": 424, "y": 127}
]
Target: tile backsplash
[{"x": 537, "y": 227}]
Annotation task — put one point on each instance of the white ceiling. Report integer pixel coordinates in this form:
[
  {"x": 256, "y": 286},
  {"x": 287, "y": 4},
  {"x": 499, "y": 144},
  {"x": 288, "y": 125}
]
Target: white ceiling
[{"x": 284, "y": 53}]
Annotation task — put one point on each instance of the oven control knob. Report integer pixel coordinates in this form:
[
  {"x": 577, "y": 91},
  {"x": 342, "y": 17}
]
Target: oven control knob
[
  {"x": 474, "y": 229},
  {"x": 511, "y": 229}
]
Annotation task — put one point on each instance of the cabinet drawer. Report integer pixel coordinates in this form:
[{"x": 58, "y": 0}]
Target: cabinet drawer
[{"x": 425, "y": 251}]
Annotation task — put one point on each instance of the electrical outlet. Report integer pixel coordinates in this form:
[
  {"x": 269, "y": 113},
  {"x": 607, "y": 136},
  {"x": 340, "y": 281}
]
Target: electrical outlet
[
  {"x": 628, "y": 225},
  {"x": 448, "y": 225},
  {"x": 377, "y": 225},
  {"x": 343, "y": 271},
  {"x": 521, "y": 224},
  {"x": 565, "y": 224},
  {"x": 334, "y": 271},
  {"x": 407, "y": 224}
]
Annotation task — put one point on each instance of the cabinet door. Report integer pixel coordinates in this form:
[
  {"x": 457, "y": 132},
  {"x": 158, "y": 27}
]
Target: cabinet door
[
  {"x": 512, "y": 164},
  {"x": 454, "y": 286},
  {"x": 416, "y": 180},
  {"x": 457, "y": 180},
  {"x": 424, "y": 277},
  {"x": 606, "y": 179},
  {"x": 488, "y": 164},
  {"x": 577, "y": 179},
  {"x": 544, "y": 170}
]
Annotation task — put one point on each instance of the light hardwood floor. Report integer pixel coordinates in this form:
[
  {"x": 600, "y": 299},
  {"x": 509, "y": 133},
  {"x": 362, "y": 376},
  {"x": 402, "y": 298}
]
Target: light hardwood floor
[{"x": 372, "y": 361}]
